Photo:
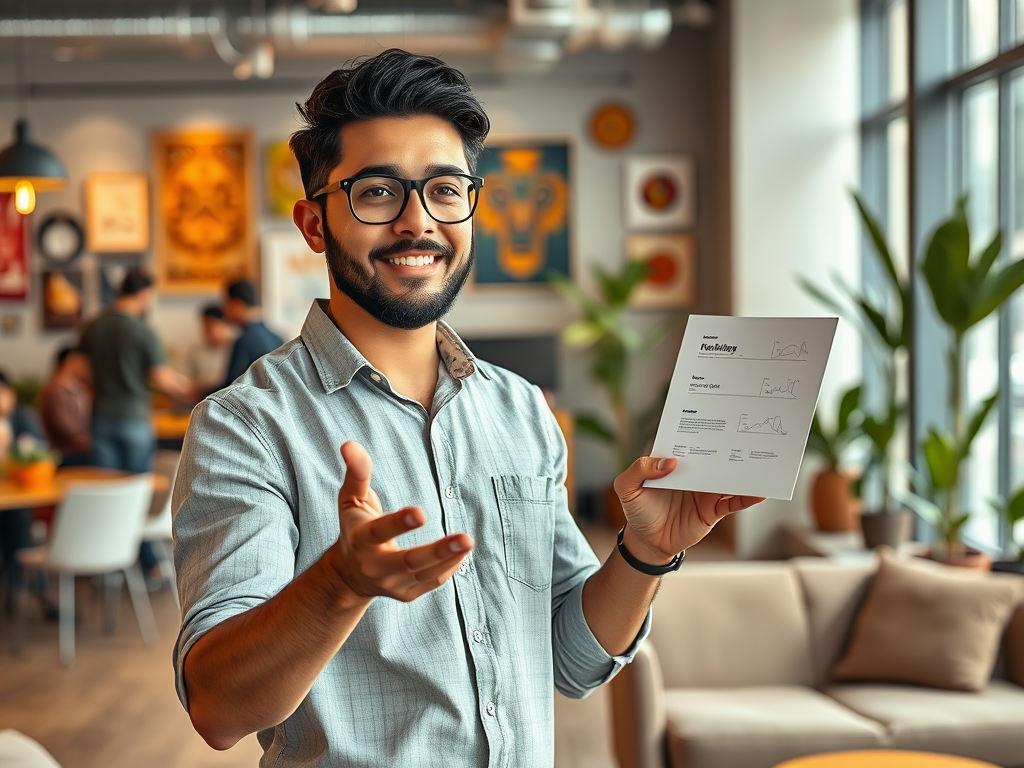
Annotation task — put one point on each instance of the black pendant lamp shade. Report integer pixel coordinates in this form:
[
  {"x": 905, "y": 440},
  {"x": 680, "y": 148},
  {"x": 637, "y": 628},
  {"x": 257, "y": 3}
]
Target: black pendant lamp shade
[{"x": 25, "y": 161}]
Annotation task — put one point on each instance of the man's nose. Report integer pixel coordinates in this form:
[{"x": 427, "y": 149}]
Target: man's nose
[{"x": 414, "y": 221}]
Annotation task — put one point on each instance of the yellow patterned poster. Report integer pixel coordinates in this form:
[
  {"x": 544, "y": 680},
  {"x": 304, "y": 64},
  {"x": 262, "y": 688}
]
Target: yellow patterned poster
[
  {"x": 204, "y": 219},
  {"x": 281, "y": 178}
]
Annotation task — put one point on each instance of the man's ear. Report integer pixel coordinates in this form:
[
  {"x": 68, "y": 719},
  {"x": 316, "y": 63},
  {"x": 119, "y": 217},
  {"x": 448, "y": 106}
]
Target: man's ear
[{"x": 306, "y": 214}]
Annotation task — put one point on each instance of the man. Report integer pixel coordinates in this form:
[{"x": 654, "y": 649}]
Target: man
[
  {"x": 207, "y": 362},
  {"x": 241, "y": 307},
  {"x": 422, "y": 614},
  {"x": 126, "y": 359},
  {"x": 65, "y": 406}
]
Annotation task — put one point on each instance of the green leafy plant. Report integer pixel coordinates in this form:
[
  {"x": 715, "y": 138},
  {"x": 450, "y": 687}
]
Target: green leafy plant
[
  {"x": 616, "y": 343},
  {"x": 28, "y": 450},
  {"x": 964, "y": 291},
  {"x": 885, "y": 323},
  {"x": 831, "y": 442},
  {"x": 1012, "y": 512}
]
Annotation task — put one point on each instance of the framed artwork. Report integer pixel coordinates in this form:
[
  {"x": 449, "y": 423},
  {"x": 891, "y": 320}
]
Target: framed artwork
[
  {"x": 117, "y": 212},
  {"x": 612, "y": 126},
  {"x": 204, "y": 218},
  {"x": 14, "y": 277},
  {"x": 661, "y": 192},
  {"x": 523, "y": 220},
  {"x": 10, "y": 325},
  {"x": 293, "y": 275},
  {"x": 62, "y": 299},
  {"x": 112, "y": 271},
  {"x": 671, "y": 280},
  {"x": 282, "y": 181}
]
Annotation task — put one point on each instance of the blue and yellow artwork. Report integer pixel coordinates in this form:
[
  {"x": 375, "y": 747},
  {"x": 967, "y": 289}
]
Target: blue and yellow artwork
[{"x": 522, "y": 221}]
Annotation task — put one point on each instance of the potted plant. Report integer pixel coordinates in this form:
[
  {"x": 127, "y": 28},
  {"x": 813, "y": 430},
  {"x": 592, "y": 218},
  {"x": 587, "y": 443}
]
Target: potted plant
[
  {"x": 1011, "y": 511},
  {"x": 30, "y": 463},
  {"x": 884, "y": 322},
  {"x": 834, "y": 504},
  {"x": 964, "y": 291},
  {"x": 616, "y": 343}
]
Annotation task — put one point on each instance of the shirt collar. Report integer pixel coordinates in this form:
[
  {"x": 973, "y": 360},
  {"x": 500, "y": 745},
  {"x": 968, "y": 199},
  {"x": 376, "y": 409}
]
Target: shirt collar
[{"x": 337, "y": 360}]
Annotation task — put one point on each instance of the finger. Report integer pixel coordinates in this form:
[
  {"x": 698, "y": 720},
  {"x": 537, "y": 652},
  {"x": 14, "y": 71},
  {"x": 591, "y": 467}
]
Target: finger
[
  {"x": 358, "y": 471},
  {"x": 736, "y": 503},
  {"x": 631, "y": 481},
  {"x": 449, "y": 549},
  {"x": 381, "y": 529},
  {"x": 421, "y": 582}
]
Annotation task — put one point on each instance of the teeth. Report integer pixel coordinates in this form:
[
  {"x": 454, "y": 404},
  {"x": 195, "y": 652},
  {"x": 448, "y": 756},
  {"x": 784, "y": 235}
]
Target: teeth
[{"x": 413, "y": 261}]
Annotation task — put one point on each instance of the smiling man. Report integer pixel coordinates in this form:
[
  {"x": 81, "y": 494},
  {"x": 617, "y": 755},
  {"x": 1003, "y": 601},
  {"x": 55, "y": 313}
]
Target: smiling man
[{"x": 413, "y": 598}]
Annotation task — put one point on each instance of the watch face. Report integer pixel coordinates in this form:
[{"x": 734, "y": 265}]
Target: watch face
[{"x": 60, "y": 238}]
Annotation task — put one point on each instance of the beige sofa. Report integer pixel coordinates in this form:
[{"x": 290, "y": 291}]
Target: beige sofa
[{"x": 736, "y": 674}]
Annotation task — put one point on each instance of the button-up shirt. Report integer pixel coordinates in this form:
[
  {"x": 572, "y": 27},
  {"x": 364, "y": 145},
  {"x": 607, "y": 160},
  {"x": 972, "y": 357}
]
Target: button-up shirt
[{"x": 461, "y": 676}]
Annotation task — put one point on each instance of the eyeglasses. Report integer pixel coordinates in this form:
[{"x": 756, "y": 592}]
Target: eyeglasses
[{"x": 448, "y": 198}]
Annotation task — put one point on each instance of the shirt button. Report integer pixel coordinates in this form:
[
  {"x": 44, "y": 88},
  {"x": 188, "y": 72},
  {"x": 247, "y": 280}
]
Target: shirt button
[
  {"x": 478, "y": 636},
  {"x": 490, "y": 708},
  {"x": 463, "y": 569},
  {"x": 375, "y": 377},
  {"x": 449, "y": 492}
]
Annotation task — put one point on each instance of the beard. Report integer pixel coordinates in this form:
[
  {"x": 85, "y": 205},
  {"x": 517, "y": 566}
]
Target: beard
[{"x": 415, "y": 307}]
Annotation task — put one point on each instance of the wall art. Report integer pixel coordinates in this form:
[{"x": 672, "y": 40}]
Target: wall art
[
  {"x": 117, "y": 212},
  {"x": 14, "y": 277},
  {"x": 62, "y": 299},
  {"x": 282, "y": 181},
  {"x": 671, "y": 280},
  {"x": 660, "y": 192},
  {"x": 612, "y": 125}
]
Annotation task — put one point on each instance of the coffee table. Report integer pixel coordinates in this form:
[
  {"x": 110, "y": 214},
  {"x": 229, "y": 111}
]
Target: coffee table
[{"x": 884, "y": 758}]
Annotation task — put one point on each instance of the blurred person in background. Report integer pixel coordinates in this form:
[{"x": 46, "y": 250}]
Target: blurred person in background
[
  {"x": 126, "y": 359},
  {"x": 66, "y": 408},
  {"x": 206, "y": 363},
  {"x": 242, "y": 308}
]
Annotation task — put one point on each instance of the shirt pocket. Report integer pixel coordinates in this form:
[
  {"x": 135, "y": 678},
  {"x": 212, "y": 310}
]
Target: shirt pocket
[{"x": 526, "y": 506}]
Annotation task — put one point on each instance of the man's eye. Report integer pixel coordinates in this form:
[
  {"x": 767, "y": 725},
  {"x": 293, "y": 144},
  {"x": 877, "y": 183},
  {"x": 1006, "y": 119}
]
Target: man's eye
[
  {"x": 377, "y": 192},
  {"x": 446, "y": 190}
]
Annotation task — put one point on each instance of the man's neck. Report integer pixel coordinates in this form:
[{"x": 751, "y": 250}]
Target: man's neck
[
  {"x": 407, "y": 357},
  {"x": 126, "y": 305}
]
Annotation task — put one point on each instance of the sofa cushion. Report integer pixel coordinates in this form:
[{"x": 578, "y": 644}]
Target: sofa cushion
[
  {"x": 722, "y": 624},
  {"x": 928, "y": 625},
  {"x": 986, "y": 726},
  {"x": 760, "y": 726}
]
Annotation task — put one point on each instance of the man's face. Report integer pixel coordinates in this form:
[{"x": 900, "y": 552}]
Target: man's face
[
  {"x": 364, "y": 258},
  {"x": 216, "y": 332},
  {"x": 7, "y": 400}
]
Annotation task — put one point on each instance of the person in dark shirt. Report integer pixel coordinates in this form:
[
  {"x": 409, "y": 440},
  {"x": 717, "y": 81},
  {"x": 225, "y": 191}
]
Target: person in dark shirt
[
  {"x": 66, "y": 408},
  {"x": 241, "y": 307}
]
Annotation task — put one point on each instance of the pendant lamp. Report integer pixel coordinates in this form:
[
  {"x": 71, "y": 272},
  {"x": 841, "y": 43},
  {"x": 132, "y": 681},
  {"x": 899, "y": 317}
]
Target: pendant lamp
[{"x": 27, "y": 168}]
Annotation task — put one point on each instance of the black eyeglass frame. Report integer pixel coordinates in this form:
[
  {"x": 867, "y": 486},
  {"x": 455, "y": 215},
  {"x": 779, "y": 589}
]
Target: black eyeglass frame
[{"x": 407, "y": 185}]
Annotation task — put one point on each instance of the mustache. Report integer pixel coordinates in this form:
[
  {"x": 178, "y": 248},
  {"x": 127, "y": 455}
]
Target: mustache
[{"x": 403, "y": 246}]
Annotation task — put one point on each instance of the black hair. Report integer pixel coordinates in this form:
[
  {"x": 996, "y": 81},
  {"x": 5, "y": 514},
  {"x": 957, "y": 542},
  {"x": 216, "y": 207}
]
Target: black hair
[
  {"x": 62, "y": 355},
  {"x": 135, "y": 282},
  {"x": 394, "y": 83},
  {"x": 4, "y": 381},
  {"x": 244, "y": 291},
  {"x": 213, "y": 310}
]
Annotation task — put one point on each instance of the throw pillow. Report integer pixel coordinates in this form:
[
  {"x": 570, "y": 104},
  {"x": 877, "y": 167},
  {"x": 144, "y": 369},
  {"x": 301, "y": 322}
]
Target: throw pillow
[{"x": 930, "y": 626}]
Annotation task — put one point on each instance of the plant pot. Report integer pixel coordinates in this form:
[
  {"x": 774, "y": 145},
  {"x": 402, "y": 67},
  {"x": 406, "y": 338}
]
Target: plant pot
[
  {"x": 33, "y": 475},
  {"x": 834, "y": 506},
  {"x": 971, "y": 558},
  {"x": 1008, "y": 566},
  {"x": 890, "y": 529},
  {"x": 613, "y": 513}
]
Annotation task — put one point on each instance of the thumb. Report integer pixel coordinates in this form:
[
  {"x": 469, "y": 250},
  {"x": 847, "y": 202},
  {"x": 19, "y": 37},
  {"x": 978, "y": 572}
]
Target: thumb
[
  {"x": 358, "y": 471},
  {"x": 631, "y": 481}
]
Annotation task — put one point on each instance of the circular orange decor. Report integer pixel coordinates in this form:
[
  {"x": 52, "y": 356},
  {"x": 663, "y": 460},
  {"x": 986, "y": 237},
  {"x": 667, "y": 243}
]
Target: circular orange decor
[
  {"x": 612, "y": 126},
  {"x": 661, "y": 269},
  {"x": 659, "y": 192},
  {"x": 896, "y": 758}
]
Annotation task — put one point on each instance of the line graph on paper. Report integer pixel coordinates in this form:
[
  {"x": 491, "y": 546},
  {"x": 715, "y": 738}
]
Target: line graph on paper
[
  {"x": 770, "y": 426},
  {"x": 782, "y": 351},
  {"x": 784, "y": 389}
]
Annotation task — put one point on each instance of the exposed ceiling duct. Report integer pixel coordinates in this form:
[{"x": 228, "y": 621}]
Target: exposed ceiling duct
[{"x": 523, "y": 36}]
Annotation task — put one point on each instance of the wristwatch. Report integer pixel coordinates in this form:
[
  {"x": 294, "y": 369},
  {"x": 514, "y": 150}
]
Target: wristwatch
[{"x": 650, "y": 570}]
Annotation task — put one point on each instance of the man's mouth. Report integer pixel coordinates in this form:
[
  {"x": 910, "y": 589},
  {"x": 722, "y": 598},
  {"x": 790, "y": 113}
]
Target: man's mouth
[{"x": 411, "y": 261}]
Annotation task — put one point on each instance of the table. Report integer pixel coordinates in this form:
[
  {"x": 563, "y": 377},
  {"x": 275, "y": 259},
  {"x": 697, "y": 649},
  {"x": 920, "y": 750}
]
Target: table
[
  {"x": 14, "y": 496},
  {"x": 884, "y": 758},
  {"x": 170, "y": 426}
]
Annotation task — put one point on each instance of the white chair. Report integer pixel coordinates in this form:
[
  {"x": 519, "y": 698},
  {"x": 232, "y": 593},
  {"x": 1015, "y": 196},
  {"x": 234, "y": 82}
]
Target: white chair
[
  {"x": 157, "y": 529},
  {"x": 96, "y": 531}
]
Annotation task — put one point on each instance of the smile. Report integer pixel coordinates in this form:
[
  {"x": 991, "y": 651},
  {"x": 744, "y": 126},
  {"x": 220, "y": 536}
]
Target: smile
[{"x": 412, "y": 261}]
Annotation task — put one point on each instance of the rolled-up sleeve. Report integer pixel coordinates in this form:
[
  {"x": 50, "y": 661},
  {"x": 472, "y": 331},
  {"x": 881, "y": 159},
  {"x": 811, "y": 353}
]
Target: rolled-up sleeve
[{"x": 235, "y": 535}]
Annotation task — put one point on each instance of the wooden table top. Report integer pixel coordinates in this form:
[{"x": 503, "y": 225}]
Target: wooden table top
[
  {"x": 14, "y": 496},
  {"x": 169, "y": 425},
  {"x": 884, "y": 758}
]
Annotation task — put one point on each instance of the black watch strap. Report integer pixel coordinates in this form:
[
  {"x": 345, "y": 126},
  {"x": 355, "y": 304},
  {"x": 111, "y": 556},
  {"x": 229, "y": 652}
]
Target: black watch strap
[{"x": 650, "y": 570}]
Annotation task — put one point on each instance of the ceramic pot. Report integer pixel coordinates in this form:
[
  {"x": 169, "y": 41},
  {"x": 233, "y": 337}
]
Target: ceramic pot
[
  {"x": 834, "y": 506},
  {"x": 33, "y": 475},
  {"x": 890, "y": 529}
]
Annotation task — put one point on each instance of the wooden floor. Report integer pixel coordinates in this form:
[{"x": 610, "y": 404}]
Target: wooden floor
[{"x": 116, "y": 706}]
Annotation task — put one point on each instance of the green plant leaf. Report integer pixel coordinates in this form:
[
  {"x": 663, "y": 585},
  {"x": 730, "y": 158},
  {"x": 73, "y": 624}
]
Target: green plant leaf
[
  {"x": 1015, "y": 508},
  {"x": 954, "y": 526},
  {"x": 922, "y": 507},
  {"x": 591, "y": 425},
  {"x": 581, "y": 334},
  {"x": 946, "y": 270},
  {"x": 988, "y": 257},
  {"x": 976, "y": 422},
  {"x": 878, "y": 240},
  {"x": 995, "y": 290},
  {"x": 814, "y": 291},
  {"x": 941, "y": 458},
  {"x": 847, "y": 405}
]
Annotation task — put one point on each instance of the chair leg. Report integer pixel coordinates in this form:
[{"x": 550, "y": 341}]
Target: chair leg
[
  {"x": 140, "y": 602},
  {"x": 111, "y": 601},
  {"x": 67, "y": 618}
]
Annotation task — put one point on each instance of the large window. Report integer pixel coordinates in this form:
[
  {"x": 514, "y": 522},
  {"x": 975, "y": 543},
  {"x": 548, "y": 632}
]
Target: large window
[{"x": 943, "y": 116}]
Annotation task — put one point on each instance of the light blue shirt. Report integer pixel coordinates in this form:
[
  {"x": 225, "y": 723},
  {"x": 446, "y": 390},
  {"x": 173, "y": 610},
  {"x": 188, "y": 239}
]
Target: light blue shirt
[{"x": 462, "y": 676}]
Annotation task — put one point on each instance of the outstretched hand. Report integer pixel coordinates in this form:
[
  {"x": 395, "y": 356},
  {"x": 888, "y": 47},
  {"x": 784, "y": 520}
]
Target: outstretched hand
[
  {"x": 667, "y": 521},
  {"x": 366, "y": 557}
]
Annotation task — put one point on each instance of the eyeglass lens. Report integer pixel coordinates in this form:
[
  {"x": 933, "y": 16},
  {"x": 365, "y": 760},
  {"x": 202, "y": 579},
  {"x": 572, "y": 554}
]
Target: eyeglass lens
[{"x": 378, "y": 199}]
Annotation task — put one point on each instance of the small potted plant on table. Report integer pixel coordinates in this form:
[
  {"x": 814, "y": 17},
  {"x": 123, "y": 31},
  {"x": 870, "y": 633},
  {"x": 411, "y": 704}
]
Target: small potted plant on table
[
  {"x": 30, "y": 463},
  {"x": 833, "y": 502}
]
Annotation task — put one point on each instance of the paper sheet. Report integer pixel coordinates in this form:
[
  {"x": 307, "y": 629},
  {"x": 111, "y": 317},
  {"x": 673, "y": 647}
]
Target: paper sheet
[{"x": 740, "y": 403}]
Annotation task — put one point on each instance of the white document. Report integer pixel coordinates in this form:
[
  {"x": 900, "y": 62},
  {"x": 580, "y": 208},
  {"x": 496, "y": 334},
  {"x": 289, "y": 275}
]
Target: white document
[{"x": 741, "y": 401}]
